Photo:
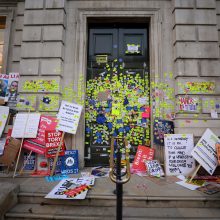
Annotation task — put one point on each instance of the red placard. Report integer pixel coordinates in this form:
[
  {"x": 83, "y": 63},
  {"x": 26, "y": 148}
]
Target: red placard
[
  {"x": 37, "y": 144},
  {"x": 52, "y": 142},
  {"x": 143, "y": 153}
]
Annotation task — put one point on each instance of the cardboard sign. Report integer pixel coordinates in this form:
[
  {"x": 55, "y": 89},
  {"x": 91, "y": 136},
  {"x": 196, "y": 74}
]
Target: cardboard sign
[
  {"x": 70, "y": 162},
  {"x": 205, "y": 151},
  {"x": 37, "y": 144},
  {"x": 162, "y": 127},
  {"x": 58, "y": 192},
  {"x": 154, "y": 168},
  {"x": 143, "y": 153},
  {"x": 26, "y": 125},
  {"x": 52, "y": 142},
  {"x": 4, "y": 111},
  {"x": 178, "y": 158},
  {"x": 218, "y": 151},
  {"x": 68, "y": 117}
]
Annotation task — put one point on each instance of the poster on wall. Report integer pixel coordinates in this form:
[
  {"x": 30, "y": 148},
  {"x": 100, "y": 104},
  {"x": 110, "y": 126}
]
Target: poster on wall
[
  {"x": 12, "y": 89},
  {"x": 26, "y": 125},
  {"x": 4, "y": 111},
  {"x": 188, "y": 104},
  {"x": 38, "y": 144},
  {"x": 205, "y": 151},
  {"x": 68, "y": 117},
  {"x": 3, "y": 85},
  {"x": 162, "y": 127},
  {"x": 178, "y": 158}
]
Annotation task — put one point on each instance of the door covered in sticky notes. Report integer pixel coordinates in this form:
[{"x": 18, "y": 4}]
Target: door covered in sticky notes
[{"x": 117, "y": 90}]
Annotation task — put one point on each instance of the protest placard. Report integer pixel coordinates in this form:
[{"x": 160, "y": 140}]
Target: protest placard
[
  {"x": 4, "y": 111},
  {"x": 154, "y": 168},
  {"x": 178, "y": 158},
  {"x": 26, "y": 125},
  {"x": 68, "y": 117},
  {"x": 37, "y": 144},
  {"x": 70, "y": 162},
  {"x": 218, "y": 152},
  {"x": 3, "y": 85},
  {"x": 205, "y": 151},
  {"x": 52, "y": 141},
  {"x": 60, "y": 191},
  {"x": 143, "y": 153}
]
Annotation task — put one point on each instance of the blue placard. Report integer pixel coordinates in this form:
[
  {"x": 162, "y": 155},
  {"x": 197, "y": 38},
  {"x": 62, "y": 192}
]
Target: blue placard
[{"x": 70, "y": 162}]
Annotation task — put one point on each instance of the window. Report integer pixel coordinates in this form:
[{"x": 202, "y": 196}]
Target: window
[{"x": 2, "y": 40}]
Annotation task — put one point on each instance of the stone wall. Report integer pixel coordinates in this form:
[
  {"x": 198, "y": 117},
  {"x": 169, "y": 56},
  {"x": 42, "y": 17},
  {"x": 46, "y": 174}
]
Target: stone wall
[{"x": 196, "y": 60}]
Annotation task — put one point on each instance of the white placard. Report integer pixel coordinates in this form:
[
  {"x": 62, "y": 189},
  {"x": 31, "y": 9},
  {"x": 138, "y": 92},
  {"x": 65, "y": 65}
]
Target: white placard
[
  {"x": 154, "y": 168},
  {"x": 26, "y": 125},
  {"x": 4, "y": 111},
  {"x": 68, "y": 117},
  {"x": 178, "y": 158},
  {"x": 66, "y": 184},
  {"x": 205, "y": 151}
]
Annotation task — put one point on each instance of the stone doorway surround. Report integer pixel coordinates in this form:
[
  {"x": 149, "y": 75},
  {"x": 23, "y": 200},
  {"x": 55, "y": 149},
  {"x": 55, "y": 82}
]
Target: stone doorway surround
[{"x": 77, "y": 22}]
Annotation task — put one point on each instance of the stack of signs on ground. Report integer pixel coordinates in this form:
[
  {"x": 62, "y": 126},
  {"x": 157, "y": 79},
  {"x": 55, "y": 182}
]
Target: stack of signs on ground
[
  {"x": 71, "y": 188},
  {"x": 52, "y": 142},
  {"x": 154, "y": 168},
  {"x": 38, "y": 144},
  {"x": 69, "y": 163},
  {"x": 205, "y": 151},
  {"x": 162, "y": 127},
  {"x": 143, "y": 153},
  {"x": 178, "y": 158},
  {"x": 68, "y": 117},
  {"x": 26, "y": 125}
]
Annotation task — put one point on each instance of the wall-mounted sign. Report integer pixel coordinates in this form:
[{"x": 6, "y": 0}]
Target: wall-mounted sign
[
  {"x": 101, "y": 58},
  {"x": 133, "y": 49},
  {"x": 188, "y": 104}
]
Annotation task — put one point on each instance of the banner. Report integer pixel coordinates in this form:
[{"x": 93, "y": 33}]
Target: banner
[{"x": 205, "y": 151}]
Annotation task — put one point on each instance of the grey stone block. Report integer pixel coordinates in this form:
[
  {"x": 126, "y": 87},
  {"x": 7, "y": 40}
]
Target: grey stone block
[
  {"x": 29, "y": 66},
  {"x": 210, "y": 67},
  {"x": 207, "y": 33},
  {"x": 189, "y": 16},
  {"x": 186, "y": 68},
  {"x": 16, "y": 55},
  {"x": 19, "y": 22},
  {"x": 20, "y": 8},
  {"x": 218, "y": 7},
  {"x": 205, "y": 3},
  {"x": 218, "y": 21},
  {"x": 47, "y": 17},
  {"x": 196, "y": 50},
  {"x": 52, "y": 49},
  {"x": 183, "y": 3},
  {"x": 31, "y": 50},
  {"x": 53, "y": 33},
  {"x": 55, "y": 3},
  {"x": 34, "y": 4},
  {"x": 51, "y": 67},
  {"x": 32, "y": 33},
  {"x": 209, "y": 103},
  {"x": 184, "y": 33},
  {"x": 18, "y": 38},
  {"x": 15, "y": 67}
]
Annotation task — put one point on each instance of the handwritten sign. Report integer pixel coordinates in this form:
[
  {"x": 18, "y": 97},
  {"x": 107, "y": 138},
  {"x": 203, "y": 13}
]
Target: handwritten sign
[
  {"x": 52, "y": 141},
  {"x": 205, "y": 151},
  {"x": 178, "y": 158},
  {"x": 26, "y": 125},
  {"x": 189, "y": 104},
  {"x": 4, "y": 111},
  {"x": 68, "y": 117},
  {"x": 154, "y": 168}
]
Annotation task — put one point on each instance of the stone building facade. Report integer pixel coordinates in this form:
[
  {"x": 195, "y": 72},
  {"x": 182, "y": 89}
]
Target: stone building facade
[{"x": 47, "y": 40}]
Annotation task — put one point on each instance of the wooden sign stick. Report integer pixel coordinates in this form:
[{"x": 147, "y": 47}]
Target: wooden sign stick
[
  {"x": 197, "y": 169},
  {"x": 56, "y": 157},
  {"x": 19, "y": 154},
  {"x": 25, "y": 162}
]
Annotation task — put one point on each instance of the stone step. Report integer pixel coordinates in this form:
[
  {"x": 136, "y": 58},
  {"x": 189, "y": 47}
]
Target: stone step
[
  {"x": 37, "y": 211},
  {"x": 128, "y": 201}
]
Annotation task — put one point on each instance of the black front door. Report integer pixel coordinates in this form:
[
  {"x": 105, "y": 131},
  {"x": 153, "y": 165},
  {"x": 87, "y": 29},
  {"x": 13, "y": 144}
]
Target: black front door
[{"x": 118, "y": 94}]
